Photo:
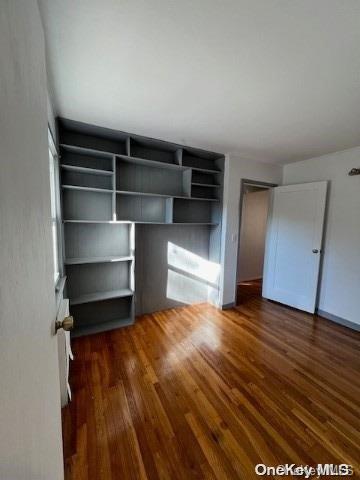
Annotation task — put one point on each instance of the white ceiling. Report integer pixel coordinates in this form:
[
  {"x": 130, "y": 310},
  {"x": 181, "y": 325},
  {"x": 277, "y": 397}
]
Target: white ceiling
[{"x": 271, "y": 80}]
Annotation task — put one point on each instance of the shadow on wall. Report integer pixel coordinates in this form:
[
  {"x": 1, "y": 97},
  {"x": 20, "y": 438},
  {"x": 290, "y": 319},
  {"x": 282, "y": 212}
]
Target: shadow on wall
[{"x": 190, "y": 278}]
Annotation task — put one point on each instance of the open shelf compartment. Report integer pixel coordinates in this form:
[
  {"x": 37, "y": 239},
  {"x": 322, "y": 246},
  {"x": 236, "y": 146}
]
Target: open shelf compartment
[
  {"x": 87, "y": 136},
  {"x": 156, "y": 150},
  {"x": 91, "y": 281},
  {"x": 97, "y": 241},
  {"x": 85, "y": 204},
  {"x": 192, "y": 211},
  {"x": 76, "y": 157},
  {"x": 85, "y": 179},
  {"x": 133, "y": 177},
  {"x": 201, "y": 192},
  {"x": 140, "y": 208},
  {"x": 102, "y": 315},
  {"x": 201, "y": 160}
]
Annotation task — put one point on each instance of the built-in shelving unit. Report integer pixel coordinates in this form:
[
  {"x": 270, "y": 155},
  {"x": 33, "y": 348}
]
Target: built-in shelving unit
[{"x": 112, "y": 181}]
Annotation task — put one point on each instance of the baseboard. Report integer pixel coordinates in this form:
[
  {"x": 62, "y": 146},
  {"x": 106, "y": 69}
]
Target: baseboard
[
  {"x": 339, "y": 320},
  {"x": 228, "y": 305}
]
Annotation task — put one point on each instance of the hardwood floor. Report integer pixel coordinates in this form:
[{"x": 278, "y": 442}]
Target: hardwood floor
[
  {"x": 248, "y": 290},
  {"x": 197, "y": 393}
]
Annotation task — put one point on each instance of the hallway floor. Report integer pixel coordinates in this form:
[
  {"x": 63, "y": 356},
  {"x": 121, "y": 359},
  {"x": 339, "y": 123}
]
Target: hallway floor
[
  {"x": 198, "y": 393},
  {"x": 248, "y": 290}
]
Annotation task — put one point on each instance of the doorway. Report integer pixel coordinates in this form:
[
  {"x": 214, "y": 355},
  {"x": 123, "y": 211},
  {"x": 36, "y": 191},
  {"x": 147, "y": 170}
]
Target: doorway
[{"x": 253, "y": 212}]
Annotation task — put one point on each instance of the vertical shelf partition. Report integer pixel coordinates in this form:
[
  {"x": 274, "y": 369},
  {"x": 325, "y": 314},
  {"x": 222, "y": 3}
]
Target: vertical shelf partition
[{"x": 110, "y": 182}]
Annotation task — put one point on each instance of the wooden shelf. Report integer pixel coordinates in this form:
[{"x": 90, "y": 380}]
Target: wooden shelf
[
  {"x": 86, "y": 189},
  {"x": 80, "y": 261},
  {"x": 90, "y": 171},
  {"x": 99, "y": 296},
  {"x": 102, "y": 327}
]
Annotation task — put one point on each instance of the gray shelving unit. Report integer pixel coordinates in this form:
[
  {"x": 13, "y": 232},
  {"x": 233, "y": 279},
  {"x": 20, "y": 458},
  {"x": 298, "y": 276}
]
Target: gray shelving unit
[{"x": 111, "y": 182}]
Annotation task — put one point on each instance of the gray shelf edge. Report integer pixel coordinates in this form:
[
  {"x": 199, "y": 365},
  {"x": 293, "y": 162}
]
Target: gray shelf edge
[
  {"x": 207, "y": 185},
  {"x": 196, "y": 223},
  {"x": 150, "y": 163},
  {"x": 157, "y": 164},
  {"x": 102, "y": 327},
  {"x": 205, "y": 170},
  {"x": 161, "y": 195},
  {"x": 86, "y": 260},
  {"x": 129, "y": 222},
  {"x": 89, "y": 171},
  {"x": 87, "y": 151},
  {"x": 86, "y": 189},
  {"x": 101, "y": 296},
  {"x": 105, "y": 222}
]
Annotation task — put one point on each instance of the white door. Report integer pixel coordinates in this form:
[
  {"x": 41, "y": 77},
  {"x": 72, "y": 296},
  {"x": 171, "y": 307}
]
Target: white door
[
  {"x": 30, "y": 413},
  {"x": 293, "y": 244}
]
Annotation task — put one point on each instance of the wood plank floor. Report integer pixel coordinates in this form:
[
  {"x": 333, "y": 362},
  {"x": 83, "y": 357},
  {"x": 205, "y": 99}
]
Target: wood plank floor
[{"x": 196, "y": 393}]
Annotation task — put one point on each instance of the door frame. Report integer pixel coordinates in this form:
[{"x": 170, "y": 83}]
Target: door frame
[{"x": 243, "y": 183}]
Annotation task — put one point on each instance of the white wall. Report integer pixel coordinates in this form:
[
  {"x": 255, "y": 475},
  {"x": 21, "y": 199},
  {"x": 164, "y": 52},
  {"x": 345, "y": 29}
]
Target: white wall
[
  {"x": 340, "y": 280},
  {"x": 252, "y": 235},
  {"x": 30, "y": 422},
  {"x": 237, "y": 168}
]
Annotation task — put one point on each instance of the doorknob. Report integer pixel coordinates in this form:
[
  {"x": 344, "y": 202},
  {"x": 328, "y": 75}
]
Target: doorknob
[
  {"x": 67, "y": 324},
  {"x": 315, "y": 250}
]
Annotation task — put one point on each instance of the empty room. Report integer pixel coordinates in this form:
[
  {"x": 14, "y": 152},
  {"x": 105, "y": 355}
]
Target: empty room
[{"x": 180, "y": 239}]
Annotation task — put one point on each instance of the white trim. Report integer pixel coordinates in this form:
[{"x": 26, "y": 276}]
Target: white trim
[{"x": 52, "y": 144}]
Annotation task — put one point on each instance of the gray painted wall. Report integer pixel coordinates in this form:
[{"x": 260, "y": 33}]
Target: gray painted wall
[
  {"x": 30, "y": 433},
  {"x": 340, "y": 279},
  {"x": 252, "y": 235},
  {"x": 171, "y": 266}
]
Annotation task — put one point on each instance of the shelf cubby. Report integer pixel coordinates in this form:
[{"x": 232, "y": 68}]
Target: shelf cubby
[
  {"x": 96, "y": 240},
  {"x": 156, "y": 150},
  {"x": 87, "y": 280},
  {"x": 102, "y": 315},
  {"x": 86, "y": 170},
  {"x": 80, "y": 135},
  {"x": 203, "y": 178},
  {"x": 143, "y": 208},
  {"x": 135, "y": 177},
  {"x": 203, "y": 161},
  {"x": 192, "y": 211},
  {"x": 203, "y": 192},
  {"x": 80, "y": 203},
  {"x": 86, "y": 179},
  {"x": 101, "y": 296},
  {"x": 73, "y": 156}
]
